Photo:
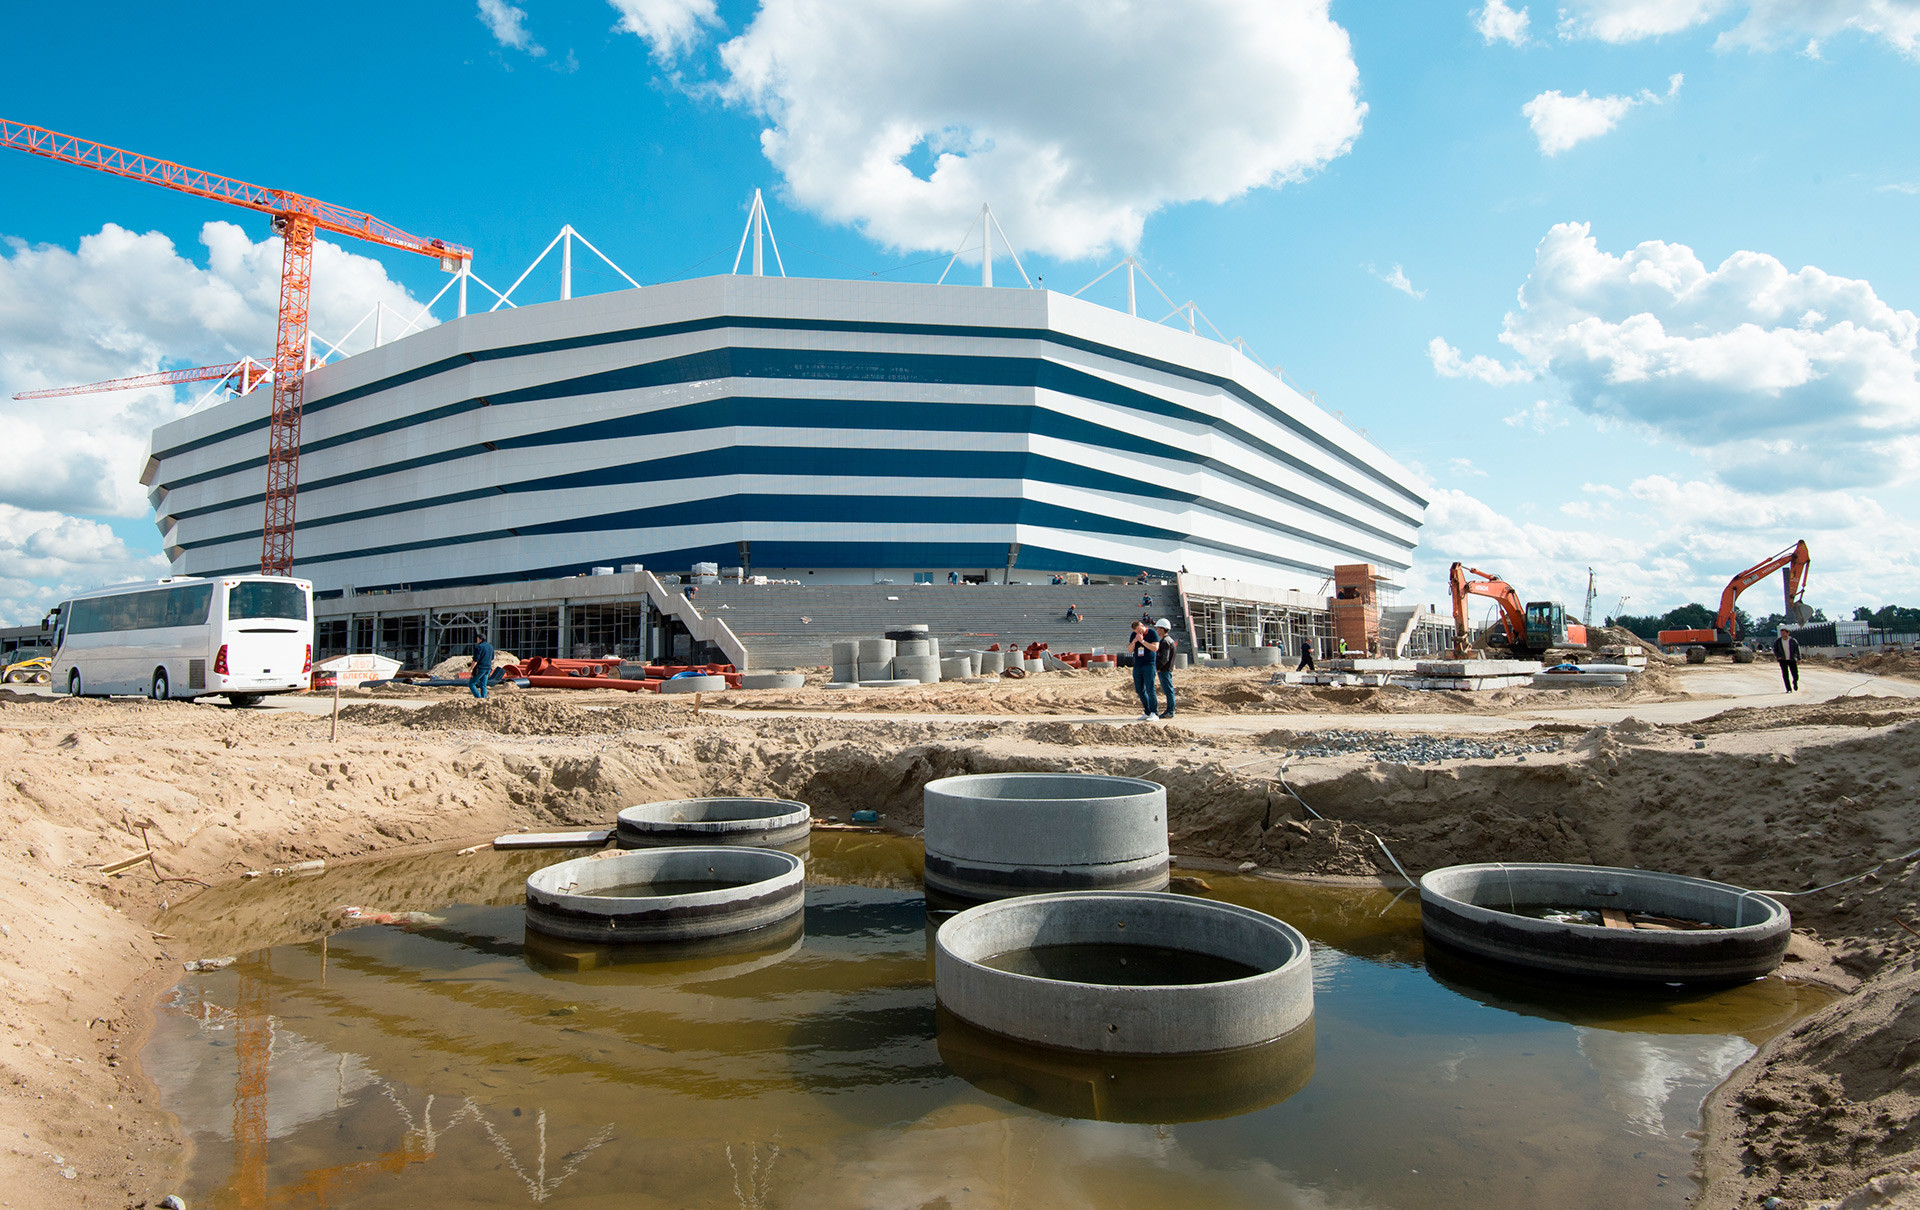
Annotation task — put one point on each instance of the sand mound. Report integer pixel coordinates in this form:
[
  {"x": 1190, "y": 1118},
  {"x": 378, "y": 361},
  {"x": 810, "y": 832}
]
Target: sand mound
[
  {"x": 462, "y": 665},
  {"x": 1840, "y": 712},
  {"x": 1903, "y": 664},
  {"x": 515, "y": 715},
  {"x": 1840, "y": 1095}
]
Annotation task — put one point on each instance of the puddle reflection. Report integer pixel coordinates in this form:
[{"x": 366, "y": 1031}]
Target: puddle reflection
[{"x": 462, "y": 1062}]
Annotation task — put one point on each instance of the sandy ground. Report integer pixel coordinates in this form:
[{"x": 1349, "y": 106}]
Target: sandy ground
[{"x": 1708, "y": 770}]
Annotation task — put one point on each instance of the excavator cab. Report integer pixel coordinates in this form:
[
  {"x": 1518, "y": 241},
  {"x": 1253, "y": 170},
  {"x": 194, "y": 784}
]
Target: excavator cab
[{"x": 1546, "y": 625}]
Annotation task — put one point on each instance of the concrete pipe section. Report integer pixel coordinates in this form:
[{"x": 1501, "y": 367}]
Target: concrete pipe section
[
  {"x": 875, "y": 651},
  {"x": 1605, "y": 923},
  {"x": 992, "y": 835},
  {"x": 693, "y": 684},
  {"x": 875, "y": 670},
  {"x": 770, "y": 823},
  {"x": 922, "y": 668},
  {"x": 993, "y": 661},
  {"x": 650, "y": 896},
  {"x": 1124, "y": 972},
  {"x": 772, "y": 680}
]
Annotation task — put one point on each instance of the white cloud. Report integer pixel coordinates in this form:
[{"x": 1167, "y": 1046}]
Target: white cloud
[
  {"x": 1766, "y": 24},
  {"x": 1075, "y": 121},
  {"x": 508, "y": 25},
  {"x": 672, "y": 28},
  {"x": 121, "y": 304},
  {"x": 1663, "y": 542},
  {"x": 1907, "y": 187},
  {"x": 1541, "y": 417},
  {"x": 1448, "y": 363},
  {"x": 1560, "y": 122},
  {"x": 1397, "y": 278},
  {"x": 1498, "y": 23},
  {"x": 1783, "y": 377},
  {"x": 1633, "y": 20},
  {"x": 1465, "y": 467},
  {"x": 46, "y": 555}
]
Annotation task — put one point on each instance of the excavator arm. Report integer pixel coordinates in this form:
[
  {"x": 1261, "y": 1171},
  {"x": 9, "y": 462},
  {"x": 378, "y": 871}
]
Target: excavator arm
[
  {"x": 1488, "y": 585},
  {"x": 1795, "y": 559}
]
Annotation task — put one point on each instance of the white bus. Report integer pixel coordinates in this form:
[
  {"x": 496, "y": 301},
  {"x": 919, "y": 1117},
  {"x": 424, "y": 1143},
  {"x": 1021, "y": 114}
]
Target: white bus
[{"x": 241, "y": 636}]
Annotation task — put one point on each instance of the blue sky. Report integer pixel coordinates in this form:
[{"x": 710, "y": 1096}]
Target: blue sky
[{"x": 1342, "y": 185}]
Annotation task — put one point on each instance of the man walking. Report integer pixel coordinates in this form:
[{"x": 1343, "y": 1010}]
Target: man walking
[
  {"x": 482, "y": 669},
  {"x": 1163, "y": 663},
  {"x": 1144, "y": 646},
  {"x": 1306, "y": 656},
  {"x": 1786, "y": 649}
]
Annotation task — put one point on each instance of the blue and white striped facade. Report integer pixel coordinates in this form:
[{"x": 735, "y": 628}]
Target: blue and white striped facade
[{"x": 847, "y": 430}]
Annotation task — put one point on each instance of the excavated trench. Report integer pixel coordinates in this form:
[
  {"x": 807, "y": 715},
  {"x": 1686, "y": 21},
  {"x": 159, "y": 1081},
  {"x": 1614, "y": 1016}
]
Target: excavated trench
[{"x": 856, "y": 985}]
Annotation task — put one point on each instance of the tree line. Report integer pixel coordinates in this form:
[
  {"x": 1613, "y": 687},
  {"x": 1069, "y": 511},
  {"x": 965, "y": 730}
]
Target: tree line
[{"x": 1899, "y": 619}]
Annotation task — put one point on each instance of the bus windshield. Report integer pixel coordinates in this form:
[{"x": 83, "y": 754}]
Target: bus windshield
[{"x": 266, "y": 599}]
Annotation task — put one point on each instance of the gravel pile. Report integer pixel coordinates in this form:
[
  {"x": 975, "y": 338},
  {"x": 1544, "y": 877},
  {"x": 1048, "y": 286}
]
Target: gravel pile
[{"x": 1415, "y": 749}]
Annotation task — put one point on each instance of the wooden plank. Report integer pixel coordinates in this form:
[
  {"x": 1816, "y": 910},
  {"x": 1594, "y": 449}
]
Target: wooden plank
[
  {"x": 126, "y": 863},
  {"x": 1614, "y": 918},
  {"x": 584, "y": 838}
]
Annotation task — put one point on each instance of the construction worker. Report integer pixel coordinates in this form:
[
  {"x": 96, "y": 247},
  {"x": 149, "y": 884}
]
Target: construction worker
[
  {"x": 1073, "y": 613},
  {"x": 482, "y": 669},
  {"x": 1306, "y": 656},
  {"x": 1786, "y": 649}
]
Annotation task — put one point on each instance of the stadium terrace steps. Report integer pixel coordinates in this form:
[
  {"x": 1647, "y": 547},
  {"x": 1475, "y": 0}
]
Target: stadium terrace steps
[{"x": 788, "y": 626}]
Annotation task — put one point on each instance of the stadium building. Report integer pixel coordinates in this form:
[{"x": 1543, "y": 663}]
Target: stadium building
[{"x": 816, "y": 430}]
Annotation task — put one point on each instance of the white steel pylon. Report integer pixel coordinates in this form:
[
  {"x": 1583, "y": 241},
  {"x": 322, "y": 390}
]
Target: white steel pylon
[
  {"x": 987, "y": 225},
  {"x": 565, "y": 239},
  {"x": 758, "y": 226}
]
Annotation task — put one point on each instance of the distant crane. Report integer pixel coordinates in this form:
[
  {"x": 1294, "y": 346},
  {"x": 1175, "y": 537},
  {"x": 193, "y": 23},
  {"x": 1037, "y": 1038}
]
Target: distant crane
[
  {"x": 1586, "y": 615},
  {"x": 295, "y": 219}
]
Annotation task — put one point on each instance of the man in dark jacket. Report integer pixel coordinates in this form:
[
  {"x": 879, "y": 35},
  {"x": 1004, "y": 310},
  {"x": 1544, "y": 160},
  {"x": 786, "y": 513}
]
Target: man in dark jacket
[
  {"x": 482, "y": 669},
  {"x": 1306, "y": 656},
  {"x": 1163, "y": 663},
  {"x": 1786, "y": 649},
  {"x": 1143, "y": 645}
]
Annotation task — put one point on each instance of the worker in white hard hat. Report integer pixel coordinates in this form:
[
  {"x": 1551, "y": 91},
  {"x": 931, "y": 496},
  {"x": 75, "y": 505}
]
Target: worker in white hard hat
[{"x": 1163, "y": 663}]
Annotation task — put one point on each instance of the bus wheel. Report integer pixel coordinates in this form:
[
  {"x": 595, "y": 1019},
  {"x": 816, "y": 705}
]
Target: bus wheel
[
  {"x": 73, "y": 683},
  {"x": 242, "y": 699},
  {"x": 160, "y": 691}
]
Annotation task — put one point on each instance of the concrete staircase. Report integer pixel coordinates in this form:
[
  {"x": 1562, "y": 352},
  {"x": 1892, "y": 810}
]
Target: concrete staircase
[{"x": 787, "y": 626}]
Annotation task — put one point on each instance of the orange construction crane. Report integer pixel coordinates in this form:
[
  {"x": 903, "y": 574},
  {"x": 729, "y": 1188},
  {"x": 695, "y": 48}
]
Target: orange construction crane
[
  {"x": 1526, "y": 632},
  {"x": 295, "y": 220},
  {"x": 1792, "y": 564},
  {"x": 246, "y": 372}
]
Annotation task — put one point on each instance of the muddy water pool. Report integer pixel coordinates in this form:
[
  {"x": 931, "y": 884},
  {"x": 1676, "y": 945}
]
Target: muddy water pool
[{"x": 450, "y": 1063}]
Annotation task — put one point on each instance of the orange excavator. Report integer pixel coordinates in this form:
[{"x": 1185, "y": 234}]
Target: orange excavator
[
  {"x": 1525, "y": 632},
  {"x": 1724, "y": 635}
]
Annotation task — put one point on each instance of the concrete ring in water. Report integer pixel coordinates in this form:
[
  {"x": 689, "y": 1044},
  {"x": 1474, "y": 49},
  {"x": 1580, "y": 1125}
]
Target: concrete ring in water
[
  {"x": 992, "y": 835},
  {"x": 771, "y": 823},
  {"x": 615, "y": 897},
  {"x": 1260, "y": 971},
  {"x": 1127, "y": 1088},
  {"x": 1483, "y": 910}
]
